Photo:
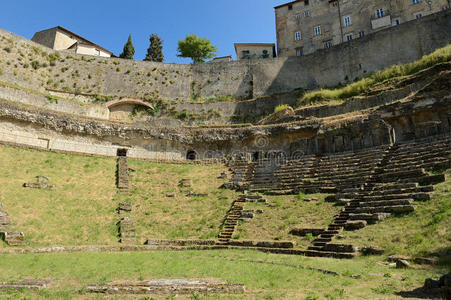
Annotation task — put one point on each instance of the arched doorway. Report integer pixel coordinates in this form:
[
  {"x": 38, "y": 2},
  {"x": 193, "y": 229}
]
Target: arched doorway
[{"x": 191, "y": 155}]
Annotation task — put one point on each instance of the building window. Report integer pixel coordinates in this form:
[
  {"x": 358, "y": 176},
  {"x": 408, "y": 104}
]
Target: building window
[
  {"x": 347, "y": 21},
  {"x": 349, "y": 37},
  {"x": 418, "y": 15},
  {"x": 245, "y": 54},
  {"x": 380, "y": 13},
  {"x": 317, "y": 30},
  {"x": 290, "y": 7},
  {"x": 297, "y": 36},
  {"x": 306, "y": 13},
  {"x": 327, "y": 45},
  {"x": 299, "y": 51},
  {"x": 415, "y": 1},
  {"x": 298, "y": 16},
  {"x": 361, "y": 34},
  {"x": 396, "y": 22},
  {"x": 306, "y": 2}
]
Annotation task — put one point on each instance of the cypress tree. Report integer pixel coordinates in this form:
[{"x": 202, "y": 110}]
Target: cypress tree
[
  {"x": 129, "y": 50},
  {"x": 155, "y": 50}
]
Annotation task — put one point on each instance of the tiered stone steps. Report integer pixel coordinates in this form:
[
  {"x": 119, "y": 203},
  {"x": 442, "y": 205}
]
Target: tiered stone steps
[
  {"x": 393, "y": 188},
  {"x": 231, "y": 221},
  {"x": 318, "y": 173},
  {"x": 234, "y": 215},
  {"x": 122, "y": 173},
  {"x": 243, "y": 173}
]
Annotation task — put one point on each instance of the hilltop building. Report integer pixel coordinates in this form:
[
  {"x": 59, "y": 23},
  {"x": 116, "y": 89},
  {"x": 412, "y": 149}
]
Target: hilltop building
[
  {"x": 255, "y": 50},
  {"x": 304, "y": 26},
  {"x": 59, "y": 38}
]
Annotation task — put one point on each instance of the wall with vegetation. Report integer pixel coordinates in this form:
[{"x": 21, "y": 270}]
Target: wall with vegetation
[{"x": 32, "y": 66}]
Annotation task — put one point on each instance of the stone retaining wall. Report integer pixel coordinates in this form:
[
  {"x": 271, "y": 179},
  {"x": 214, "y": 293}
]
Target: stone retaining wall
[{"x": 239, "y": 79}]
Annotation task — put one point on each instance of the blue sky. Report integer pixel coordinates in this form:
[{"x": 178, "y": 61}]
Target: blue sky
[{"x": 108, "y": 23}]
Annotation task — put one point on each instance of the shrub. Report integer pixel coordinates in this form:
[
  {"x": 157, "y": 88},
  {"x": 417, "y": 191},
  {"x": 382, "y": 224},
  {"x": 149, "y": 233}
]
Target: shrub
[
  {"x": 7, "y": 49},
  {"x": 280, "y": 107},
  {"x": 1, "y": 72}
]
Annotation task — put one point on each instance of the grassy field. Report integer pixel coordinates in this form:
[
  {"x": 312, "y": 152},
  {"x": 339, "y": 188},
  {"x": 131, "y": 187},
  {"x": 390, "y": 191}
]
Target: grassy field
[
  {"x": 283, "y": 213},
  {"x": 181, "y": 216},
  {"x": 266, "y": 276},
  {"x": 81, "y": 210}
]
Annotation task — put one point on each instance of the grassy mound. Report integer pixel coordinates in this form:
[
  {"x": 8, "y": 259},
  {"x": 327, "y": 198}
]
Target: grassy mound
[{"x": 365, "y": 84}]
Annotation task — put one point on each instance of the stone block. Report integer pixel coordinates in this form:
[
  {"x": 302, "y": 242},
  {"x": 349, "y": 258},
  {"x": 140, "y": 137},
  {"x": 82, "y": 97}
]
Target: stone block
[
  {"x": 341, "y": 248},
  {"x": 355, "y": 225},
  {"x": 125, "y": 206},
  {"x": 402, "y": 264},
  {"x": 13, "y": 238},
  {"x": 185, "y": 183},
  {"x": 372, "y": 250},
  {"x": 305, "y": 231},
  {"x": 425, "y": 260}
]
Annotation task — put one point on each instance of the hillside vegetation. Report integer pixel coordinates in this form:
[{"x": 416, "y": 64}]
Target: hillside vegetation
[{"x": 364, "y": 85}]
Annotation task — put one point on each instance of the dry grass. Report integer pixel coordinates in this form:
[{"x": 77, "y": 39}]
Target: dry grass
[
  {"x": 159, "y": 216},
  {"x": 79, "y": 210},
  {"x": 82, "y": 208}
]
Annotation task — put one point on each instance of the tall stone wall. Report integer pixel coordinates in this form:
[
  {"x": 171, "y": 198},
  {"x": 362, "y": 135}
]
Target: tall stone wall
[{"x": 28, "y": 64}]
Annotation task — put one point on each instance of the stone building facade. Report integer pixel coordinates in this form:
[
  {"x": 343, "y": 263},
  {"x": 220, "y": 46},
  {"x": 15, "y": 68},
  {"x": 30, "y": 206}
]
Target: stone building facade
[
  {"x": 255, "y": 50},
  {"x": 59, "y": 38},
  {"x": 304, "y": 26}
]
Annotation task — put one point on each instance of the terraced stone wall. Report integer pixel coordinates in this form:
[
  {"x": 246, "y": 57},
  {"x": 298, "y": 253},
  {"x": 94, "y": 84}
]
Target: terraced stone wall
[{"x": 33, "y": 66}]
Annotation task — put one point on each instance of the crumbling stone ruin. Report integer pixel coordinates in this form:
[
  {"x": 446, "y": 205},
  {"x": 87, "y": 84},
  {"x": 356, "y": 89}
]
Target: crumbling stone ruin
[{"x": 372, "y": 153}]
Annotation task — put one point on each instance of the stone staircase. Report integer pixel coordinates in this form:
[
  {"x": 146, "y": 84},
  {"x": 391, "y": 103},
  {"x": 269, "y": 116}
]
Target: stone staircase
[
  {"x": 234, "y": 215},
  {"x": 122, "y": 173},
  {"x": 242, "y": 175},
  {"x": 397, "y": 183},
  {"x": 126, "y": 226}
]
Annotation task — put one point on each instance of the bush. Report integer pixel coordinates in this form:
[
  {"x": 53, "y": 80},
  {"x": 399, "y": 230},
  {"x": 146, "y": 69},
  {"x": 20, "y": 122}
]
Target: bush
[{"x": 280, "y": 108}]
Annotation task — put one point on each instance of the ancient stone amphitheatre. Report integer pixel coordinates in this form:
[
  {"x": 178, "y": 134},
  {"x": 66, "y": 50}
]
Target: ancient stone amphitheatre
[{"x": 229, "y": 180}]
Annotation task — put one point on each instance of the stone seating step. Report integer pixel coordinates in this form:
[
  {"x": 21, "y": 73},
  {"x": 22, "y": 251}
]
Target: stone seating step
[
  {"x": 324, "y": 240},
  {"x": 319, "y": 244},
  {"x": 313, "y": 253},
  {"x": 387, "y": 203},
  {"x": 315, "y": 248},
  {"x": 386, "y": 209},
  {"x": 370, "y": 218}
]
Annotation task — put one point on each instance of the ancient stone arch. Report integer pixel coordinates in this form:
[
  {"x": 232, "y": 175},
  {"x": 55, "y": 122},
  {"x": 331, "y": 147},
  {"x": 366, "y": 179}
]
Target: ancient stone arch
[{"x": 120, "y": 109}]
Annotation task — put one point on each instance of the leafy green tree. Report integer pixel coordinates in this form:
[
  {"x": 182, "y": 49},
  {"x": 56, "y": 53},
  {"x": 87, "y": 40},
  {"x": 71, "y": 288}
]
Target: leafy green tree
[
  {"x": 196, "y": 48},
  {"x": 155, "y": 50},
  {"x": 129, "y": 50}
]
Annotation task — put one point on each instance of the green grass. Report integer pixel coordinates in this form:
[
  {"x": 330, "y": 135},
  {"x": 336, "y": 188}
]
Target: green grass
[
  {"x": 155, "y": 213},
  {"x": 364, "y": 85},
  {"x": 280, "y": 107},
  {"x": 266, "y": 276},
  {"x": 81, "y": 209},
  {"x": 283, "y": 213}
]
